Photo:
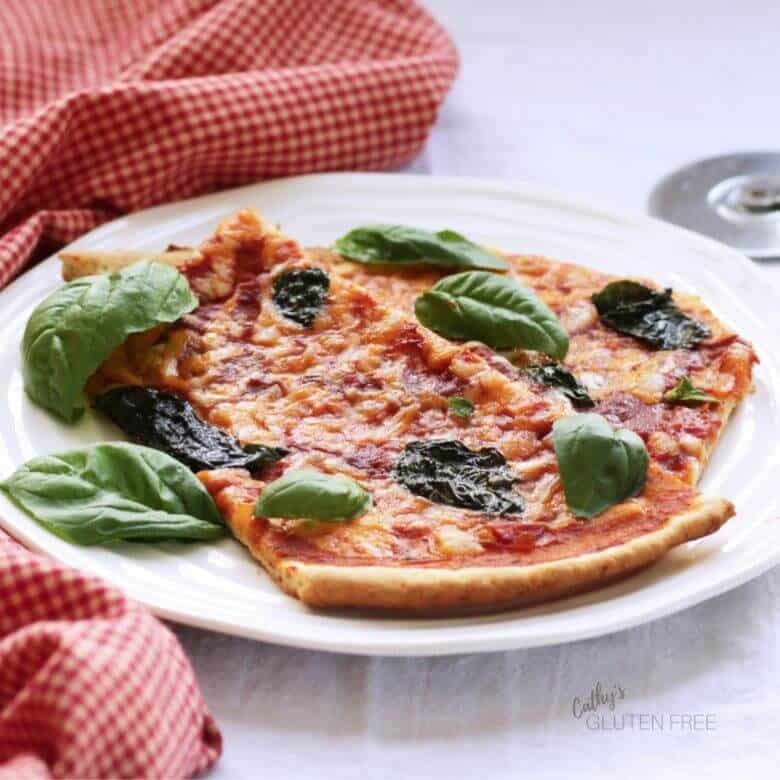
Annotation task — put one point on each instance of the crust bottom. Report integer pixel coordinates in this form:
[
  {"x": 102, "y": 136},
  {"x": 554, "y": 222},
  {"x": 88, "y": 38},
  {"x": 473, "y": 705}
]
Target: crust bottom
[{"x": 440, "y": 591}]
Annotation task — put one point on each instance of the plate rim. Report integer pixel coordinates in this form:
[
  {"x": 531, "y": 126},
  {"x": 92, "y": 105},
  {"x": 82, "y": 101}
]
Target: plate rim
[{"x": 409, "y": 646}]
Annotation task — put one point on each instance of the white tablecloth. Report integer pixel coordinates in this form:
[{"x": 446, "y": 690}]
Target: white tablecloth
[{"x": 597, "y": 99}]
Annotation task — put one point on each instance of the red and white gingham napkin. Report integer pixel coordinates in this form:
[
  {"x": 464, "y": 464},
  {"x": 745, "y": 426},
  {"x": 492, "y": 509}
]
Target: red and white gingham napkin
[
  {"x": 107, "y": 106},
  {"x": 91, "y": 685}
]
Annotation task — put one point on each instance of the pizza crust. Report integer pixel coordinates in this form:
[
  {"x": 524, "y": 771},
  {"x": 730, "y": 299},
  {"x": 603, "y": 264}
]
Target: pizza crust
[
  {"x": 78, "y": 263},
  {"x": 448, "y": 591}
]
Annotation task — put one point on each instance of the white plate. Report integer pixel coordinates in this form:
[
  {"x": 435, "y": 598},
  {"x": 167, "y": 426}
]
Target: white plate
[{"x": 218, "y": 586}]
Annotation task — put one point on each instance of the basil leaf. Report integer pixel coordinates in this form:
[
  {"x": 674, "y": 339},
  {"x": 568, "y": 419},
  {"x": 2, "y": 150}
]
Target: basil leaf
[
  {"x": 460, "y": 406},
  {"x": 312, "y": 495},
  {"x": 492, "y": 309},
  {"x": 632, "y": 308},
  {"x": 685, "y": 393},
  {"x": 448, "y": 472},
  {"x": 555, "y": 375},
  {"x": 401, "y": 245},
  {"x": 166, "y": 422},
  {"x": 599, "y": 466},
  {"x": 300, "y": 294},
  {"x": 115, "y": 491},
  {"x": 79, "y": 325}
]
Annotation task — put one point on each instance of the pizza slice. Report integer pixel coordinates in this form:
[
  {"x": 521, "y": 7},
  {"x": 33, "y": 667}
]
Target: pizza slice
[{"x": 468, "y": 512}]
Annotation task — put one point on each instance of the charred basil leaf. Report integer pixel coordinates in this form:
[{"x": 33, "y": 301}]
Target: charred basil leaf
[
  {"x": 492, "y": 309},
  {"x": 685, "y": 393},
  {"x": 599, "y": 466},
  {"x": 301, "y": 293},
  {"x": 311, "y": 495},
  {"x": 555, "y": 375},
  {"x": 169, "y": 423},
  {"x": 110, "y": 492},
  {"x": 460, "y": 406},
  {"x": 632, "y": 308},
  {"x": 448, "y": 472},
  {"x": 404, "y": 246}
]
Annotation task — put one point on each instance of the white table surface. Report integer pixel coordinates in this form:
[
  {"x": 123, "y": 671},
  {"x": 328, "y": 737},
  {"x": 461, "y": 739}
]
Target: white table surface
[{"x": 596, "y": 99}]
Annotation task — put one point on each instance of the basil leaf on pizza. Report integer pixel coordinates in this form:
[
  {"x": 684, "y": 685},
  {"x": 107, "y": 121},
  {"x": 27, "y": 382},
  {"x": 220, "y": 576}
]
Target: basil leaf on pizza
[
  {"x": 300, "y": 294},
  {"x": 636, "y": 310},
  {"x": 391, "y": 245},
  {"x": 448, "y": 472},
  {"x": 496, "y": 310},
  {"x": 312, "y": 495},
  {"x": 460, "y": 407},
  {"x": 599, "y": 466},
  {"x": 556, "y": 376},
  {"x": 79, "y": 325},
  {"x": 166, "y": 422},
  {"x": 112, "y": 492},
  {"x": 685, "y": 393}
]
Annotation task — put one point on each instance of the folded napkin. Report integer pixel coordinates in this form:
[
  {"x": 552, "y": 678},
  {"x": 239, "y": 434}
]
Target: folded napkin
[{"x": 107, "y": 106}]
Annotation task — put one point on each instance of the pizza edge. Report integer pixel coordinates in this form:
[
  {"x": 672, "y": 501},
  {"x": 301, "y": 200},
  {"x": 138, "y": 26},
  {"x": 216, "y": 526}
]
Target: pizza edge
[{"x": 443, "y": 591}]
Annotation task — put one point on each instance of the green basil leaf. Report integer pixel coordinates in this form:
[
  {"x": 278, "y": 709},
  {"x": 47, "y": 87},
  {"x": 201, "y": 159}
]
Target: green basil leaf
[
  {"x": 632, "y": 308},
  {"x": 312, "y": 495},
  {"x": 685, "y": 393},
  {"x": 599, "y": 466},
  {"x": 555, "y": 375},
  {"x": 460, "y": 406},
  {"x": 401, "y": 245},
  {"x": 495, "y": 310},
  {"x": 115, "y": 491},
  {"x": 77, "y": 327}
]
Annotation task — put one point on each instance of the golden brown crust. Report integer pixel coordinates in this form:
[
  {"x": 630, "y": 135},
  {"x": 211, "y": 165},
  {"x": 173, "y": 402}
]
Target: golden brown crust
[
  {"x": 88, "y": 262},
  {"x": 478, "y": 588}
]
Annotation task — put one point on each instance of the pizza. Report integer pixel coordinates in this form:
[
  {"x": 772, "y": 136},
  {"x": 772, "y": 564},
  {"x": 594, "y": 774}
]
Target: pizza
[{"x": 324, "y": 360}]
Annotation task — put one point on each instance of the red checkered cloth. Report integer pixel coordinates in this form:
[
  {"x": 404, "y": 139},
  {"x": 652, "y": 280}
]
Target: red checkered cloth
[
  {"x": 91, "y": 685},
  {"x": 107, "y": 106}
]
